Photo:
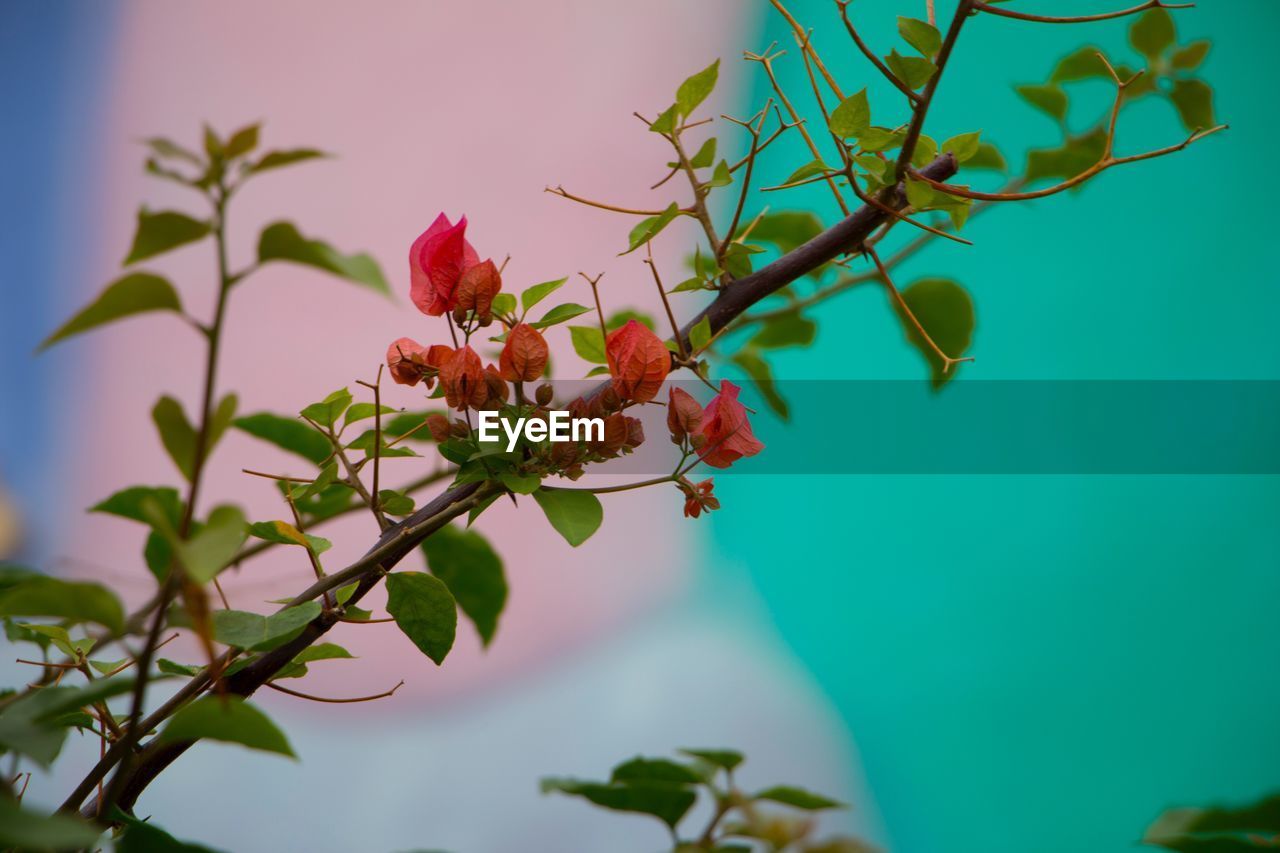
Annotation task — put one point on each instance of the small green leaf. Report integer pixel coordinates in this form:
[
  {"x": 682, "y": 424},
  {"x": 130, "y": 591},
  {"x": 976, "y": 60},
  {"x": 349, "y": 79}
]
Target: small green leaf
[
  {"x": 588, "y": 343},
  {"x": 809, "y": 170},
  {"x": 288, "y": 434},
  {"x": 281, "y": 241},
  {"x": 758, "y": 369},
  {"x": 1083, "y": 64},
  {"x": 988, "y": 157},
  {"x": 798, "y": 798},
  {"x": 926, "y": 150},
  {"x": 521, "y": 484},
  {"x": 144, "y": 837},
  {"x": 424, "y": 610},
  {"x": 257, "y": 633},
  {"x": 787, "y": 229},
  {"x": 924, "y": 37},
  {"x": 1049, "y": 99},
  {"x": 721, "y": 177},
  {"x": 945, "y": 311},
  {"x": 875, "y": 139},
  {"x": 278, "y": 159},
  {"x": 668, "y": 803},
  {"x": 473, "y": 572},
  {"x": 1152, "y": 33},
  {"x": 504, "y": 304},
  {"x": 362, "y": 411},
  {"x": 694, "y": 91},
  {"x": 852, "y": 116},
  {"x": 700, "y": 335},
  {"x": 1194, "y": 102},
  {"x": 135, "y": 293},
  {"x": 650, "y": 227},
  {"x": 24, "y": 829},
  {"x": 74, "y": 601},
  {"x": 914, "y": 71},
  {"x": 283, "y": 533},
  {"x": 1189, "y": 58},
  {"x": 393, "y": 502},
  {"x": 787, "y": 330},
  {"x": 297, "y": 668},
  {"x": 964, "y": 146},
  {"x": 242, "y": 141},
  {"x": 661, "y": 770},
  {"x": 176, "y": 433},
  {"x": 226, "y": 718},
  {"x": 706, "y": 155},
  {"x": 160, "y": 232},
  {"x": 725, "y": 758},
  {"x": 666, "y": 122},
  {"x": 170, "y": 150},
  {"x": 329, "y": 409},
  {"x": 560, "y": 314},
  {"x": 536, "y": 293},
  {"x": 575, "y": 514}
]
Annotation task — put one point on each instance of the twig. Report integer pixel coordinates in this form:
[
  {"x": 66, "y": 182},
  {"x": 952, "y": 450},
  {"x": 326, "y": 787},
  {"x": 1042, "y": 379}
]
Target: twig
[
  {"x": 1077, "y": 19},
  {"x": 308, "y": 696}
]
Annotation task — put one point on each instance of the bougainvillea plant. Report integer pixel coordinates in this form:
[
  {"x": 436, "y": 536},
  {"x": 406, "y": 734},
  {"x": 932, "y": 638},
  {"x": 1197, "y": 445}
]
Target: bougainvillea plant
[{"x": 752, "y": 284}]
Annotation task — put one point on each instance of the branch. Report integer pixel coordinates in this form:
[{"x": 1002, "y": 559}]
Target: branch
[
  {"x": 913, "y": 97},
  {"x": 1078, "y": 19}
]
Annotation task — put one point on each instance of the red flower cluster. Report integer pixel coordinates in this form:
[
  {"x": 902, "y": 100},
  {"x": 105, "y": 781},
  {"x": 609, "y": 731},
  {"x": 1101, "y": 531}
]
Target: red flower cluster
[
  {"x": 720, "y": 433},
  {"x": 438, "y": 260}
]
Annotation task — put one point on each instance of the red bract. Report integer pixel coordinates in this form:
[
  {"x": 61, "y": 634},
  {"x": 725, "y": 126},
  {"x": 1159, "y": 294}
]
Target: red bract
[
  {"x": 726, "y": 431},
  {"x": 698, "y": 497},
  {"x": 405, "y": 360},
  {"x": 477, "y": 288},
  {"x": 524, "y": 356},
  {"x": 437, "y": 261},
  {"x": 462, "y": 378},
  {"x": 638, "y": 361},
  {"x": 684, "y": 414}
]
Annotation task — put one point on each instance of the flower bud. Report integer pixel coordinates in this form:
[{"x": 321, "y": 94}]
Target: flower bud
[{"x": 544, "y": 394}]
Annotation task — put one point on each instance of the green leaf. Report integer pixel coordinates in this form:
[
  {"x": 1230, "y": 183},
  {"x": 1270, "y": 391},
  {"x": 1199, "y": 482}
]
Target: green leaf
[
  {"x": 1076, "y": 154},
  {"x": 75, "y": 601},
  {"x": 560, "y": 314},
  {"x": 257, "y": 633},
  {"x": 588, "y": 343},
  {"x": 575, "y": 514},
  {"x": 700, "y": 335},
  {"x": 288, "y": 434},
  {"x": 393, "y": 502},
  {"x": 914, "y": 71},
  {"x": 945, "y": 311},
  {"x": 278, "y": 159},
  {"x": 329, "y": 409},
  {"x": 926, "y": 150},
  {"x": 1189, "y": 58},
  {"x": 36, "y": 724},
  {"x": 874, "y": 139},
  {"x": 281, "y": 241},
  {"x": 425, "y": 610},
  {"x": 1217, "y": 829},
  {"x": 212, "y": 548},
  {"x": 226, "y": 718},
  {"x": 666, "y": 122},
  {"x": 641, "y": 769},
  {"x": 798, "y": 798},
  {"x": 695, "y": 90},
  {"x": 809, "y": 170},
  {"x": 220, "y": 419},
  {"x": 759, "y": 371},
  {"x": 160, "y": 232},
  {"x": 922, "y": 36},
  {"x": 297, "y": 668},
  {"x": 473, "y": 572},
  {"x": 135, "y": 293},
  {"x": 536, "y": 293},
  {"x": 1049, "y": 99},
  {"x": 170, "y": 150},
  {"x": 362, "y": 411},
  {"x": 143, "y": 837},
  {"x": 242, "y": 141},
  {"x": 668, "y": 803},
  {"x": 787, "y": 330},
  {"x": 964, "y": 146},
  {"x": 405, "y": 424},
  {"x": 725, "y": 758},
  {"x": 283, "y": 533},
  {"x": 504, "y": 304},
  {"x": 23, "y": 829},
  {"x": 1152, "y": 33},
  {"x": 176, "y": 433},
  {"x": 988, "y": 157},
  {"x": 721, "y": 177},
  {"x": 1083, "y": 64},
  {"x": 852, "y": 116},
  {"x": 706, "y": 155},
  {"x": 787, "y": 229},
  {"x": 650, "y": 227},
  {"x": 1194, "y": 102},
  {"x": 521, "y": 484}
]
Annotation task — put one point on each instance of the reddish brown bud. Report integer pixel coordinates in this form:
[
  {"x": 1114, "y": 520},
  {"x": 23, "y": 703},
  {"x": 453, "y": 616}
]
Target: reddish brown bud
[
  {"x": 684, "y": 414},
  {"x": 544, "y": 395},
  {"x": 438, "y": 426},
  {"x": 477, "y": 288}
]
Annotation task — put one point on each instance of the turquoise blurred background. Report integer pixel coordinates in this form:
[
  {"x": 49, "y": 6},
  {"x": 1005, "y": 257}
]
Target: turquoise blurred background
[{"x": 1045, "y": 663}]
